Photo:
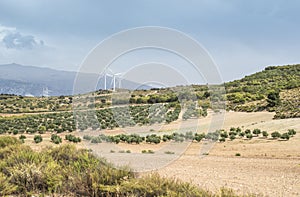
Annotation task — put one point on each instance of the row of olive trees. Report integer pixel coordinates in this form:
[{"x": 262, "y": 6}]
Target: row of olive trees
[
  {"x": 56, "y": 139},
  {"x": 220, "y": 135},
  {"x": 237, "y": 132}
]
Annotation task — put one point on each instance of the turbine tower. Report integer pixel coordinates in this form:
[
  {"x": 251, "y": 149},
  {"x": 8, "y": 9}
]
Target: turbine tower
[
  {"x": 45, "y": 92},
  {"x": 105, "y": 81},
  {"x": 114, "y": 78}
]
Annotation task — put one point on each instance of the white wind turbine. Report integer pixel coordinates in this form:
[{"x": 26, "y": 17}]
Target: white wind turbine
[{"x": 115, "y": 77}]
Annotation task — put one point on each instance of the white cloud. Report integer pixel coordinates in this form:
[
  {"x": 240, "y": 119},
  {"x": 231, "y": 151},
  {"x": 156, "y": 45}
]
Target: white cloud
[{"x": 10, "y": 38}]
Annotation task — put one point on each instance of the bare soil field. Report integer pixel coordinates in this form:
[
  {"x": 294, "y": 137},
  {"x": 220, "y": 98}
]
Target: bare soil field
[
  {"x": 265, "y": 167},
  {"x": 245, "y": 175}
]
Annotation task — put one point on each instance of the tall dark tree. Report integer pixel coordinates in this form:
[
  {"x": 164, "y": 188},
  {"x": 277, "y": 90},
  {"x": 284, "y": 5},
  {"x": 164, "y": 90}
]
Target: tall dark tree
[{"x": 273, "y": 98}]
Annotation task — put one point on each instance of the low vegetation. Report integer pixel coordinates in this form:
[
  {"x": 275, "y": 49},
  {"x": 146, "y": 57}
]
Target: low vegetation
[{"x": 25, "y": 172}]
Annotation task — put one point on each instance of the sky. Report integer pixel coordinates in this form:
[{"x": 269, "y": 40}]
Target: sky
[{"x": 242, "y": 37}]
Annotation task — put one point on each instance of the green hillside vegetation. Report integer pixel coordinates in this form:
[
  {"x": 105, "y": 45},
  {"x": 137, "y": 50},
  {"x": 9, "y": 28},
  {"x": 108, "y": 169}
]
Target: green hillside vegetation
[
  {"x": 21, "y": 104},
  {"x": 274, "y": 89},
  {"x": 24, "y": 172},
  {"x": 107, "y": 118}
]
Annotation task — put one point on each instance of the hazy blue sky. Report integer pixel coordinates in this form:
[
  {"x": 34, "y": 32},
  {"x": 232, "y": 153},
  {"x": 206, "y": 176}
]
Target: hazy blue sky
[{"x": 242, "y": 36}]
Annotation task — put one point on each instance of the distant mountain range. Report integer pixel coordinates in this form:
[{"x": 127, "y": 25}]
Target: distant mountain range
[{"x": 36, "y": 81}]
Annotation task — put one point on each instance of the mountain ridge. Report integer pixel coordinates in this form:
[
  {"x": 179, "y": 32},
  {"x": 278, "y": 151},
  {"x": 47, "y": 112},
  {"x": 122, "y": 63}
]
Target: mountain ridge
[{"x": 19, "y": 79}]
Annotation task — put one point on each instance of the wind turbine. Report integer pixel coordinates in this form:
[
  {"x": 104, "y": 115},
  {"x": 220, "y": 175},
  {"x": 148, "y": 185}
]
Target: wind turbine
[
  {"x": 114, "y": 76},
  {"x": 45, "y": 92},
  {"x": 119, "y": 75},
  {"x": 105, "y": 81}
]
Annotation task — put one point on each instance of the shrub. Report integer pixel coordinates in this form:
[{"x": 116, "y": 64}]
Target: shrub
[
  {"x": 87, "y": 137},
  {"x": 275, "y": 134},
  {"x": 238, "y": 154},
  {"x": 73, "y": 138},
  {"x": 249, "y": 136},
  {"x": 169, "y": 152},
  {"x": 224, "y": 134},
  {"x": 147, "y": 151},
  {"x": 222, "y": 139},
  {"x": 189, "y": 135},
  {"x": 38, "y": 138},
  {"x": 265, "y": 134},
  {"x": 213, "y": 136},
  {"x": 96, "y": 140},
  {"x": 15, "y": 131},
  {"x": 247, "y": 131},
  {"x": 153, "y": 139},
  {"x": 292, "y": 132},
  {"x": 242, "y": 134},
  {"x": 56, "y": 139},
  {"x": 144, "y": 151},
  {"x": 198, "y": 137},
  {"x": 256, "y": 132},
  {"x": 232, "y": 137},
  {"x": 234, "y": 133},
  {"x": 22, "y": 137},
  {"x": 285, "y": 136}
]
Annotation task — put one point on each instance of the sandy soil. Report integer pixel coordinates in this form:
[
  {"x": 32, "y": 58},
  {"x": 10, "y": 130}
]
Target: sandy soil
[
  {"x": 261, "y": 176},
  {"x": 266, "y": 167}
]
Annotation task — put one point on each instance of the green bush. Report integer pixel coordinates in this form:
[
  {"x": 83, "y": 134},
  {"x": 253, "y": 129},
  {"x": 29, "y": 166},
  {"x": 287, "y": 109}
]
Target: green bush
[
  {"x": 247, "y": 131},
  {"x": 169, "y": 152},
  {"x": 224, "y": 134},
  {"x": 292, "y": 132},
  {"x": 265, "y": 133},
  {"x": 275, "y": 135},
  {"x": 22, "y": 138},
  {"x": 232, "y": 137},
  {"x": 242, "y": 134},
  {"x": 38, "y": 139},
  {"x": 56, "y": 139},
  {"x": 72, "y": 138},
  {"x": 285, "y": 136},
  {"x": 198, "y": 137},
  {"x": 249, "y": 136},
  {"x": 147, "y": 151},
  {"x": 256, "y": 132}
]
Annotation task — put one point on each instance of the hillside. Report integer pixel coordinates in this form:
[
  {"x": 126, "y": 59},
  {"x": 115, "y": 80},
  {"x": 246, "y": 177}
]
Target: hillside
[
  {"x": 255, "y": 92},
  {"x": 47, "y": 126},
  {"x": 274, "y": 89}
]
